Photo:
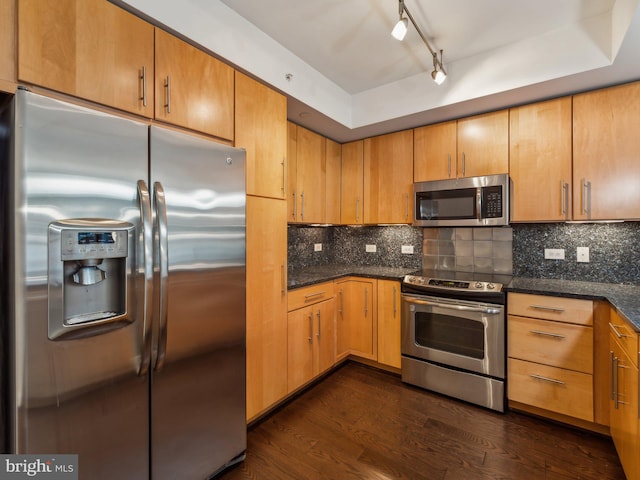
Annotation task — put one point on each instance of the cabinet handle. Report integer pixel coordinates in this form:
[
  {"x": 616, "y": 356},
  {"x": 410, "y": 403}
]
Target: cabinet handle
[
  {"x": 312, "y": 295},
  {"x": 294, "y": 214},
  {"x": 548, "y": 308},
  {"x": 341, "y": 301},
  {"x": 586, "y": 197},
  {"x": 284, "y": 176},
  {"x": 615, "y": 330},
  {"x": 365, "y": 301},
  {"x": 464, "y": 165},
  {"x": 394, "y": 302},
  {"x": 617, "y": 400},
  {"x": 167, "y": 85},
  {"x": 357, "y": 209},
  {"x": 548, "y": 334},
  {"x": 449, "y": 165},
  {"x": 406, "y": 211},
  {"x": 284, "y": 280},
  {"x": 612, "y": 360},
  {"x": 302, "y": 206},
  {"x": 564, "y": 195},
  {"x": 319, "y": 322},
  {"x": 546, "y": 379},
  {"x": 143, "y": 78},
  {"x": 310, "y": 327}
]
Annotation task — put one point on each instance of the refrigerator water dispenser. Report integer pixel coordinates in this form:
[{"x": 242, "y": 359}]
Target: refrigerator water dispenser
[{"x": 90, "y": 276}]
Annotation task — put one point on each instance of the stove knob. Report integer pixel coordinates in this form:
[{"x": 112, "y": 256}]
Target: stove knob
[
  {"x": 478, "y": 284},
  {"x": 490, "y": 286}
]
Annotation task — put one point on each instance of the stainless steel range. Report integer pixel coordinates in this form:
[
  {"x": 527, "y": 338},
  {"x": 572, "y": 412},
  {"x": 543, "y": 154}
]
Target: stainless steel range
[{"x": 453, "y": 335}]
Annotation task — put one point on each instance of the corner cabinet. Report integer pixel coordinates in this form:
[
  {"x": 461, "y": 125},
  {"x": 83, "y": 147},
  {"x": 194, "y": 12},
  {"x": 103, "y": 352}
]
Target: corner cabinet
[
  {"x": 624, "y": 410},
  {"x": 311, "y": 345},
  {"x": 352, "y": 183},
  {"x": 192, "y": 89},
  {"x": 357, "y": 330},
  {"x": 606, "y": 154},
  {"x": 91, "y": 49},
  {"x": 540, "y": 161},
  {"x": 388, "y": 178},
  {"x": 333, "y": 161},
  {"x": 261, "y": 129},
  {"x": 389, "y": 323},
  {"x": 266, "y": 303}
]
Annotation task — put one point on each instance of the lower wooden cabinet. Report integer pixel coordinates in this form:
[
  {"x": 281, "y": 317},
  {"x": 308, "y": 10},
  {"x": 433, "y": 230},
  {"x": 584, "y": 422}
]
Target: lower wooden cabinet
[
  {"x": 357, "y": 317},
  {"x": 624, "y": 410},
  {"x": 311, "y": 342},
  {"x": 389, "y": 323}
]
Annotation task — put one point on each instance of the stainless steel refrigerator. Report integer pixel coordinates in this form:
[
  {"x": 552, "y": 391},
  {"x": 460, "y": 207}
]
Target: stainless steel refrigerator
[{"x": 123, "y": 293}]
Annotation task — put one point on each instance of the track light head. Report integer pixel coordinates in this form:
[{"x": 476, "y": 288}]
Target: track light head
[
  {"x": 438, "y": 73},
  {"x": 400, "y": 30}
]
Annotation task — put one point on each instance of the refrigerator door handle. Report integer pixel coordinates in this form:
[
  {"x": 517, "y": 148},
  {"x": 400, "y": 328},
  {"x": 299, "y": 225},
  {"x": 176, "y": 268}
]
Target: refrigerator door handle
[
  {"x": 145, "y": 240},
  {"x": 160, "y": 206}
]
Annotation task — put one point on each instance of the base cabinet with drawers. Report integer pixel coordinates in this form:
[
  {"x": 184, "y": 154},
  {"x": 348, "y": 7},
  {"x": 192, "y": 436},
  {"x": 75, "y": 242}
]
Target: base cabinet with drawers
[{"x": 550, "y": 354}]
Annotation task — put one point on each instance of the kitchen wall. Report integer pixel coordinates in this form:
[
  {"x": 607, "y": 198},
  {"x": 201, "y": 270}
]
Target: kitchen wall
[
  {"x": 614, "y": 251},
  {"x": 344, "y": 245}
]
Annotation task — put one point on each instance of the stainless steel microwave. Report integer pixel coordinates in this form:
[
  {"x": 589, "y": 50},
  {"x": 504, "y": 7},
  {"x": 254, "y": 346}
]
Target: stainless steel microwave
[{"x": 461, "y": 202}]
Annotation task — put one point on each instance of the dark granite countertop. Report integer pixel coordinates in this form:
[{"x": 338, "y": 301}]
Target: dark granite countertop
[
  {"x": 312, "y": 275},
  {"x": 625, "y": 298}
]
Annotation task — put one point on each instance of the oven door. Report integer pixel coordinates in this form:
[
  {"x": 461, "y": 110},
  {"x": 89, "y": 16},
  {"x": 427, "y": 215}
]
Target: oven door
[{"x": 456, "y": 333}]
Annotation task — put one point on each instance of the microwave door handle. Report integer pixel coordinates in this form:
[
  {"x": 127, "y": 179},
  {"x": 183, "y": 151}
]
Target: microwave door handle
[
  {"x": 463, "y": 308},
  {"x": 479, "y": 203}
]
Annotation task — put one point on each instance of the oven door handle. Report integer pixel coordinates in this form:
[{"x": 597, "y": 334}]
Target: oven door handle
[{"x": 464, "y": 308}]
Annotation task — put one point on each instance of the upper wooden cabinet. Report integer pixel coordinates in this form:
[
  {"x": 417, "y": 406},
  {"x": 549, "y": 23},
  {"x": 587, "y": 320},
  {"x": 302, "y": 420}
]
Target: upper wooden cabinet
[
  {"x": 192, "y": 89},
  {"x": 88, "y": 48},
  {"x": 483, "y": 144},
  {"x": 435, "y": 152},
  {"x": 308, "y": 194},
  {"x": 388, "y": 178},
  {"x": 261, "y": 129},
  {"x": 540, "y": 161},
  {"x": 606, "y": 154},
  {"x": 8, "y": 45},
  {"x": 352, "y": 183},
  {"x": 292, "y": 172},
  {"x": 333, "y": 156}
]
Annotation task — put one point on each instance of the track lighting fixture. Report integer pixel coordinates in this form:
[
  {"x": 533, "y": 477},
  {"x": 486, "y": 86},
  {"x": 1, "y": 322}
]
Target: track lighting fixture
[{"x": 439, "y": 74}]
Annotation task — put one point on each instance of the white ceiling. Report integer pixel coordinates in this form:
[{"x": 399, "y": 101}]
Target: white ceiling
[{"x": 347, "y": 78}]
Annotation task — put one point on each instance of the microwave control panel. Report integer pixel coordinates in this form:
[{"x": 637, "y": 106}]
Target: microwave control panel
[{"x": 492, "y": 202}]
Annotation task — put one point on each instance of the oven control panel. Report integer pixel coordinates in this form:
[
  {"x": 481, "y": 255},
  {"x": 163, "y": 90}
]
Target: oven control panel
[{"x": 447, "y": 284}]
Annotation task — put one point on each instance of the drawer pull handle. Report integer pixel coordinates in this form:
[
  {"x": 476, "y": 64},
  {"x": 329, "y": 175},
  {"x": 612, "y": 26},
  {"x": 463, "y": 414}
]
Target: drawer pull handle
[
  {"x": 312, "y": 295},
  {"x": 546, "y": 379},
  {"x": 550, "y": 309},
  {"x": 548, "y": 334},
  {"x": 615, "y": 330}
]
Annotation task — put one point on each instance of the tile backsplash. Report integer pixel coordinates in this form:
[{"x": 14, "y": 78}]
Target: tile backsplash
[{"x": 483, "y": 249}]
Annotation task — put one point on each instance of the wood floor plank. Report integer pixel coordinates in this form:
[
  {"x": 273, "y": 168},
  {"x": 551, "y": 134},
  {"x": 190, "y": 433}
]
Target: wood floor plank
[{"x": 363, "y": 423}]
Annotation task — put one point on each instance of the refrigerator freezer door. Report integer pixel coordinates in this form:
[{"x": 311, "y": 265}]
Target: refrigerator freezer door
[
  {"x": 198, "y": 381},
  {"x": 84, "y": 395}
]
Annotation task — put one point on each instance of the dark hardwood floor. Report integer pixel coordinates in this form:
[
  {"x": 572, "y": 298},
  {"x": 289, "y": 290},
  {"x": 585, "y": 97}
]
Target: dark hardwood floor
[{"x": 361, "y": 423}]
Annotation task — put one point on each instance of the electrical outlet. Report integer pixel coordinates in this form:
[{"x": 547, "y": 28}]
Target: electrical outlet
[
  {"x": 370, "y": 248},
  {"x": 317, "y": 247},
  {"x": 406, "y": 249},
  {"x": 583, "y": 254},
  {"x": 554, "y": 253}
]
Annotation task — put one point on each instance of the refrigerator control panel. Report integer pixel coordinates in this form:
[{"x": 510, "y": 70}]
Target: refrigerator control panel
[{"x": 81, "y": 244}]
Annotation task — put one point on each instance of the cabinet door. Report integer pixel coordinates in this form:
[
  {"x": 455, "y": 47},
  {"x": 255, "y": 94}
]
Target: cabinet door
[
  {"x": 8, "y": 45},
  {"x": 359, "y": 310},
  {"x": 88, "y": 48},
  {"x": 606, "y": 154},
  {"x": 388, "y": 178},
  {"x": 192, "y": 89},
  {"x": 261, "y": 128},
  {"x": 623, "y": 409},
  {"x": 292, "y": 172},
  {"x": 351, "y": 186},
  {"x": 266, "y": 303},
  {"x": 483, "y": 144},
  {"x": 300, "y": 347},
  {"x": 389, "y": 323},
  {"x": 540, "y": 161},
  {"x": 342, "y": 321},
  {"x": 333, "y": 157},
  {"x": 325, "y": 336},
  {"x": 311, "y": 176},
  {"x": 434, "y": 152}
]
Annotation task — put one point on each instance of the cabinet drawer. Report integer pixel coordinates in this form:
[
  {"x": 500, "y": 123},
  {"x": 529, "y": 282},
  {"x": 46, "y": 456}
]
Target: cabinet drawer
[
  {"x": 557, "y": 344},
  {"x": 302, "y": 297},
  {"x": 569, "y": 310},
  {"x": 625, "y": 335},
  {"x": 555, "y": 389}
]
